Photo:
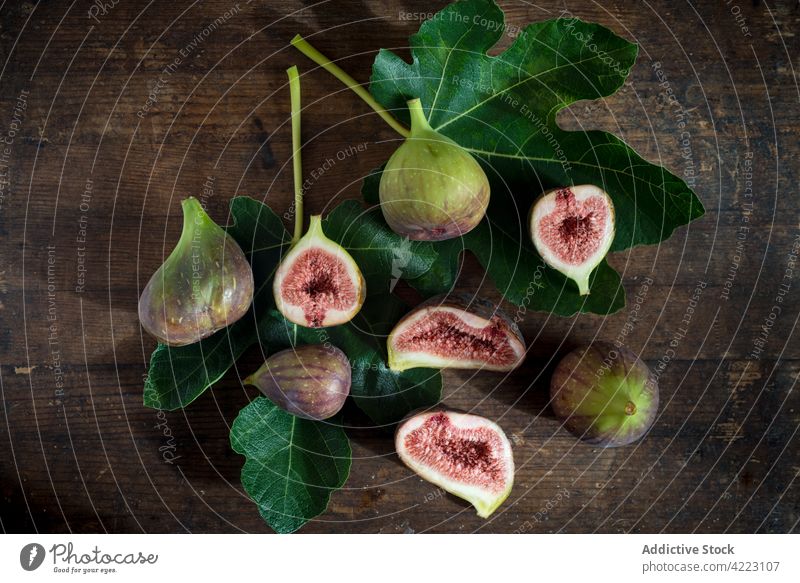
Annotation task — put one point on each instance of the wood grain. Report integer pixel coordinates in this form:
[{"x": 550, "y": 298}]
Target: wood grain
[{"x": 88, "y": 457}]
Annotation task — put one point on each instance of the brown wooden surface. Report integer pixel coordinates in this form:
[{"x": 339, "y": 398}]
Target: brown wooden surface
[{"x": 723, "y": 453}]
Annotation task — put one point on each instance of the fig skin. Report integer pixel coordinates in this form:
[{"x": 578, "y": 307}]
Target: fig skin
[
  {"x": 337, "y": 290},
  {"x": 204, "y": 285},
  {"x": 427, "y": 440},
  {"x": 592, "y": 231},
  {"x": 432, "y": 189},
  {"x": 310, "y": 381},
  {"x": 604, "y": 394},
  {"x": 482, "y": 315}
]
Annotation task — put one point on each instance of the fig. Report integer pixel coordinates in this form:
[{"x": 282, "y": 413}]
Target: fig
[
  {"x": 604, "y": 394},
  {"x": 466, "y": 455},
  {"x": 572, "y": 229},
  {"x": 318, "y": 283},
  {"x": 432, "y": 189},
  {"x": 456, "y": 331},
  {"x": 204, "y": 285},
  {"x": 310, "y": 381}
]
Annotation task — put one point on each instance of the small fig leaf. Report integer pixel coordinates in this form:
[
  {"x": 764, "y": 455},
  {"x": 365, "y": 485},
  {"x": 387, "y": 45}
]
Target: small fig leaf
[
  {"x": 178, "y": 375},
  {"x": 384, "y": 395},
  {"x": 503, "y": 110},
  {"x": 293, "y": 465},
  {"x": 383, "y": 255}
]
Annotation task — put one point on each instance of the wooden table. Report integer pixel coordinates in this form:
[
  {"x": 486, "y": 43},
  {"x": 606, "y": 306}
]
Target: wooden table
[{"x": 94, "y": 170}]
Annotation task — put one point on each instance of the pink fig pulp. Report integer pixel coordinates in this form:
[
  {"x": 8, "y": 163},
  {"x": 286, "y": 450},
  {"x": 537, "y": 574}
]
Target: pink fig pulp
[{"x": 466, "y": 455}]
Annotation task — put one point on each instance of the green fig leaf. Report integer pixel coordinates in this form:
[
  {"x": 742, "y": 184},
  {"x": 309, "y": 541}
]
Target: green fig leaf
[
  {"x": 178, "y": 375},
  {"x": 384, "y": 395},
  {"x": 292, "y": 465},
  {"x": 503, "y": 110}
]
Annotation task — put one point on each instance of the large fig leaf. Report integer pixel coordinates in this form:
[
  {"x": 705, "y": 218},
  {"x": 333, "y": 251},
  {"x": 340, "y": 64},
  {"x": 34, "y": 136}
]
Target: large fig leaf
[
  {"x": 293, "y": 465},
  {"x": 178, "y": 375},
  {"x": 503, "y": 110},
  {"x": 384, "y": 395}
]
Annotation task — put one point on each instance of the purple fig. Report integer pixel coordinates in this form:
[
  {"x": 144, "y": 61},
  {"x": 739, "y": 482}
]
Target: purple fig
[
  {"x": 466, "y": 455},
  {"x": 204, "y": 285},
  {"x": 456, "y": 331},
  {"x": 604, "y": 394},
  {"x": 310, "y": 381},
  {"x": 572, "y": 229},
  {"x": 432, "y": 189}
]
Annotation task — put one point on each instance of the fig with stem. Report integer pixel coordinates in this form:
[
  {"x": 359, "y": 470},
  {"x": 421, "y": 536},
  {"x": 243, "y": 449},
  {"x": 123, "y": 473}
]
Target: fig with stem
[
  {"x": 432, "y": 189},
  {"x": 204, "y": 285},
  {"x": 317, "y": 284}
]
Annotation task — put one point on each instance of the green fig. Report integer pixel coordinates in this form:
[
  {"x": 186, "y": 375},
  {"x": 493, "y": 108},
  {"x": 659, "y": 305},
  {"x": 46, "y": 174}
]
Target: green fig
[
  {"x": 604, "y": 394},
  {"x": 204, "y": 285},
  {"x": 432, "y": 189}
]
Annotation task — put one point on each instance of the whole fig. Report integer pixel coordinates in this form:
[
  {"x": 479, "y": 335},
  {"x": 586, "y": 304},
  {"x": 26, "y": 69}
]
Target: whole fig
[
  {"x": 432, "y": 189},
  {"x": 456, "y": 331},
  {"x": 604, "y": 394},
  {"x": 204, "y": 285},
  {"x": 310, "y": 381}
]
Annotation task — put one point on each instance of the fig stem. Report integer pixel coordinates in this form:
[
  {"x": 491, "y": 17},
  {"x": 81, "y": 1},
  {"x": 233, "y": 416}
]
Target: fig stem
[
  {"x": 419, "y": 123},
  {"x": 193, "y": 216},
  {"x": 297, "y": 163},
  {"x": 630, "y": 408},
  {"x": 304, "y": 47}
]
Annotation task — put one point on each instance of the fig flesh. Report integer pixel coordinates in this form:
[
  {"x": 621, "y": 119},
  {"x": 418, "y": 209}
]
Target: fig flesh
[
  {"x": 604, "y": 394},
  {"x": 318, "y": 284},
  {"x": 204, "y": 285},
  {"x": 572, "y": 229},
  {"x": 432, "y": 189},
  {"x": 310, "y": 381},
  {"x": 456, "y": 331},
  {"x": 466, "y": 455}
]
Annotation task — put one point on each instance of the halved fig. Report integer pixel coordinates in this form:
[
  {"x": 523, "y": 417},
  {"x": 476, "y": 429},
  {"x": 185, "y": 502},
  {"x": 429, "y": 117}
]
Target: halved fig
[
  {"x": 310, "y": 381},
  {"x": 204, "y": 285},
  {"x": 466, "y": 455},
  {"x": 456, "y": 331},
  {"x": 604, "y": 394},
  {"x": 318, "y": 283},
  {"x": 572, "y": 229}
]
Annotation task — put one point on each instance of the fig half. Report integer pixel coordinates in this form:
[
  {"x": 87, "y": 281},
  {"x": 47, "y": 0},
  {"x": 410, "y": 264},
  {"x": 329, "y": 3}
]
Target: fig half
[
  {"x": 204, "y": 285},
  {"x": 604, "y": 394},
  {"x": 466, "y": 455},
  {"x": 572, "y": 229},
  {"x": 318, "y": 283},
  {"x": 432, "y": 189},
  {"x": 310, "y": 381},
  {"x": 456, "y": 331}
]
